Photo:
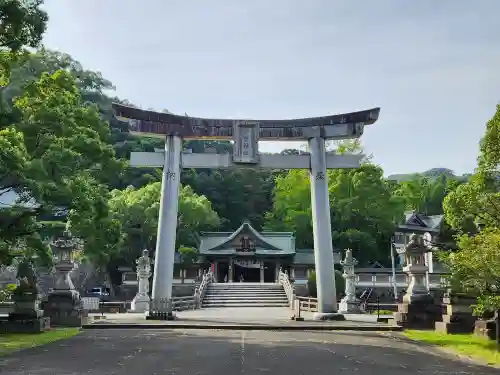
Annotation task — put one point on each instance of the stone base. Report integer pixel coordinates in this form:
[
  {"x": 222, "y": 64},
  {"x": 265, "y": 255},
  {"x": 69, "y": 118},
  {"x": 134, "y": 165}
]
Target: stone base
[
  {"x": 140, "y": 304},
  {"x": 453, "y": 328},
  {"x": 485, "y": 328},
  {"x": 161, "y": 316},
  {"x": 64, "y": 308},
  {"x": 417, "y": 315},
  {"x": 349, "y": 307},
  {"x": 329, "y": 316},
  {"x": 33, "y": 325},
  {"x": 456, "y": 323}
]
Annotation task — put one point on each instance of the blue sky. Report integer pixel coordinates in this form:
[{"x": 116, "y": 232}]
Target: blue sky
[{"x": 432, "y": 66}]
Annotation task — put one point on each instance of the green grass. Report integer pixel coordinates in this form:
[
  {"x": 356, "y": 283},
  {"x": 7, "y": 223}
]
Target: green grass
[
  {"x": 382, "y": 312},
  {"x": 475, "y": 347},
  {"x": 14, "y": 341}
]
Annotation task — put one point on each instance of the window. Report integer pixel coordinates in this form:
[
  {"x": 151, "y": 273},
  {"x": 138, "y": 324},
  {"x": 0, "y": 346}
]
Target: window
[{"x": 399, "y": 237}]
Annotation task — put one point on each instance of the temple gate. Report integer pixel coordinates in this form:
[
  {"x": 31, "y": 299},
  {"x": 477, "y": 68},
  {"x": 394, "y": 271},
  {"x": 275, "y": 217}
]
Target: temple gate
[{"x": 246, "y": 135}]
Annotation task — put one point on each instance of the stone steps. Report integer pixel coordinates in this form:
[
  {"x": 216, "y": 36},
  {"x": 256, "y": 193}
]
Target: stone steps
[
  {"x": 245, "y": 295},
  {"x": 248, "y": 298},
  {"x": 240, "y": 294},
  {"x": 260, "y": 304}
]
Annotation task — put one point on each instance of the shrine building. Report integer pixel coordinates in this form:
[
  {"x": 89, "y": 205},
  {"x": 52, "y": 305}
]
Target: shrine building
[{"x": 249, "y": 256}]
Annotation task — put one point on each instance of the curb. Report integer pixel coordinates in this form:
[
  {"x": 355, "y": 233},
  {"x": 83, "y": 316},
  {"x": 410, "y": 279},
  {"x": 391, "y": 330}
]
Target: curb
[{"x": 240, "y": 327}]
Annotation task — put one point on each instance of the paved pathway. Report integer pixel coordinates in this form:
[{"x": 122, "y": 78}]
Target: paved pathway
[
  {"x": 213, "y": 352},
  {"x": 231, "y": 315}
]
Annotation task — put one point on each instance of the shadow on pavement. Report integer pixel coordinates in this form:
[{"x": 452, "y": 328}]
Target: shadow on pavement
[{"x": 147, "y": 352}]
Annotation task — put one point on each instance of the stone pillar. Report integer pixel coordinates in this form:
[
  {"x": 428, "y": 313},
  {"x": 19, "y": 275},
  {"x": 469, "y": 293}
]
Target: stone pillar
[
  {"x": 140, "y": 303},
  {"x": 261, "y": 271},
  {"x": 167, "y": 223},
  {"x": 216, "y": 272},
  {"x": 349, "y": 304},
  {"x": 458, "y": 317},
  {"x": 322, "y": 232},
  {"x": 230, "y": 271},
  {"x": 418, "y": 309}
]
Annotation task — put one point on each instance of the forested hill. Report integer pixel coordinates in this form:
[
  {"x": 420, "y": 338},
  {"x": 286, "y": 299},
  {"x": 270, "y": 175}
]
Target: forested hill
[{"x": 431, "y": 173}]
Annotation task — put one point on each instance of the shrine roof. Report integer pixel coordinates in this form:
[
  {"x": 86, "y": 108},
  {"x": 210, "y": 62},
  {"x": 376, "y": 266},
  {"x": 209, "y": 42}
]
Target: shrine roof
[
  {"x": 421, "y": 223},
  {"x": 274, "y": 243}
]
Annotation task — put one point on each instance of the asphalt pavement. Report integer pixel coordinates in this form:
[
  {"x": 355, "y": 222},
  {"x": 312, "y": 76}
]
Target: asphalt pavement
[{"x": 222, "y": 352}]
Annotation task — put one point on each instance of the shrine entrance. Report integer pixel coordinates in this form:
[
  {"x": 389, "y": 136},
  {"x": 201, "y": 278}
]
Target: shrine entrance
[
  {"x": 246, "y": 135},
  {"x": 246, "y": 274}
]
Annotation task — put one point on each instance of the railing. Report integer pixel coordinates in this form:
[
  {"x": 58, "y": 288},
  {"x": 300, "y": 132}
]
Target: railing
[
  {"x": 199, "y": 293},
  {"x": 307, "y": 304},
  {"x": 184, "y": 303},
  {"x": 289, "y": 288}
]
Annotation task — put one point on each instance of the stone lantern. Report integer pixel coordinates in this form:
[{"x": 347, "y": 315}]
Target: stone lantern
[
  {"x": 416, "y": 269},
  {"x": 64, "y": 305},
  {"x": 349, "y": 304},
  {"x": 63, "y": 248},
  {"x": 418, "y": 309},
  {"x": 142, "y": 301}
]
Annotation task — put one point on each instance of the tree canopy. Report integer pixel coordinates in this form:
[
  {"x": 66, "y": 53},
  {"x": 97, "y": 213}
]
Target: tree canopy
[{"x": 473, "y": 209}]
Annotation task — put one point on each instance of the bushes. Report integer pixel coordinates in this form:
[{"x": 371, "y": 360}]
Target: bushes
[
  {"x": 339, "y": 284},
  {"x": 7, "y": 292}
]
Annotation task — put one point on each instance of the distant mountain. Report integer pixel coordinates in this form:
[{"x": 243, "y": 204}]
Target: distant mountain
[{"x": 431, "y": 173}]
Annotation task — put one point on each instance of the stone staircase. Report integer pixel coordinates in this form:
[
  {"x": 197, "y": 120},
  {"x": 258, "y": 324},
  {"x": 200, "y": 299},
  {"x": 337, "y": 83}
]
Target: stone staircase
[{"x": 245, "y": 295}]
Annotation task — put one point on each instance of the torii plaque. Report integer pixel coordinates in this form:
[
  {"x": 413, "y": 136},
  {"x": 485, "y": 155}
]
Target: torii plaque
[{"x": 246, "y": 135}]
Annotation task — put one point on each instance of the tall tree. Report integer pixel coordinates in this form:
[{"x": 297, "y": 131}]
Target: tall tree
[
  {"x": 22, "y": 23},
  {"x": 476, "y": 264},
  {"x": 137, "y": 210},
  {"x": 478, "y": 200},
  {"x": 363, "y": 209},
  {"x": 55, "y": 152}
]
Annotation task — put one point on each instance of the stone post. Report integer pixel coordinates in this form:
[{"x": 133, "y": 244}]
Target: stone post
[
  {"x": 141, "y": 301},
  {"x": 349, "y": 304},
  {"x": 64, "y": 305},
  {"x": 418, "y": 309},
  {"x": 261, "y": 271},
  {"x": 458, "y": 317}
]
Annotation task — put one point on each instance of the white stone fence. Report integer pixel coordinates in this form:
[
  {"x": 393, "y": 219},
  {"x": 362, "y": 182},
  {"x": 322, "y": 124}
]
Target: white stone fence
[
  {"x": 289, "y": 288},
  {"x": 306, "y": 304},
  {"x": 199, "y": 293}
]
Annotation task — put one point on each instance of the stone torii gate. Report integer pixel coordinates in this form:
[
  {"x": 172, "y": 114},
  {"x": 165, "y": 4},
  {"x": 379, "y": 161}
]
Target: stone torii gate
[{"x": 246, "y": 135}]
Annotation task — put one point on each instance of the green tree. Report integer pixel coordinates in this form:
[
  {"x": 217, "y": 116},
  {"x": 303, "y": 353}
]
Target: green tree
[
  {"x": 22, "y": 23},
  {"x": 478, "y": 200},
  {"x": 137, "y": 211},
  {"x": 339, "y": 284},
  {"x": 363, "y": 210},
  {"x": 476, "y": 264},
  {"x": 426, "y": 195},
  {"x": 236, "y": 194},
  {"x": 187, "y": 257},
  {"x": 476, "y": 267},
  {"x": 55, "y": 152}
]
